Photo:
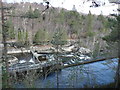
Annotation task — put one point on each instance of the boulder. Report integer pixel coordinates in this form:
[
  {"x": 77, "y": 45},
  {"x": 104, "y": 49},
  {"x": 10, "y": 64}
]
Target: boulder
[{"x": 84, "y": 50}]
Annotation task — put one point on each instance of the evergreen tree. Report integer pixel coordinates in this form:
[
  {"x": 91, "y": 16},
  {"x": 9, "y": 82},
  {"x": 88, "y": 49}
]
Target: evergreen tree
[
  {"x": 114, "y": 36},
  {"x": 89, "y": 24},
  {"x": 10, "y": 29},
  {"x": 59, "y": 38},
  {"x": 41, "y": 37},
  {"x": 36, "y": 13},
  {"x": 32, "y": 14}
]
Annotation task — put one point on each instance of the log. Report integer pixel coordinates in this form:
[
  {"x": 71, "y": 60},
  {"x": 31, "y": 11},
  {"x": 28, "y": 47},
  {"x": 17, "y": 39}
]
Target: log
[{"x": 87, "y": 62}]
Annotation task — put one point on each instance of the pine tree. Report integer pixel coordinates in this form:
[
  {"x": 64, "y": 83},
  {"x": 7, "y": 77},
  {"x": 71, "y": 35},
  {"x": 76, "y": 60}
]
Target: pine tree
[{"x": 89, "y": 25}]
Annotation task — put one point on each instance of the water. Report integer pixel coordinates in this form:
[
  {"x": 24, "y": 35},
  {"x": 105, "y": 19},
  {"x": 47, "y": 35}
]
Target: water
[{"x": 98, "y": 73}]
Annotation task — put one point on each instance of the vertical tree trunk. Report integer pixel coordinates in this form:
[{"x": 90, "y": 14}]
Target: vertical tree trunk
[
  {"x": 118, "y": 69},
  {"x": 4, "y": 52},
  {"x": 57, "y": 69}
]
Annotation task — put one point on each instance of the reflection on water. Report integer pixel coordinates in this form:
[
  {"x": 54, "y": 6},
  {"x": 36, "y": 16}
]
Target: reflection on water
[{"x": 98, "y": 73}]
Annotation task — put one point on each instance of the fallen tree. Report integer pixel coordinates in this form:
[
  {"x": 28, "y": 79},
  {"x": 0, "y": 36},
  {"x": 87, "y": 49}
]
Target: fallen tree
[{"x": 88, "y": 62}]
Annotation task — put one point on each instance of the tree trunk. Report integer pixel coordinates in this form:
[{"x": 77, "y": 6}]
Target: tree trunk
[
  {"x": 57, "y": 69},
  {"x": 117, "y": 82},
  {"x": 4, "y": 52}
]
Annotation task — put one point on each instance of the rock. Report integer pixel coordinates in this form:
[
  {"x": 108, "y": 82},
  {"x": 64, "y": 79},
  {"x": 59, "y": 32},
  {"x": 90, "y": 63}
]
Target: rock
[
  {"x": 84, "y": 50},
  {"x": 68, "y": 49}
]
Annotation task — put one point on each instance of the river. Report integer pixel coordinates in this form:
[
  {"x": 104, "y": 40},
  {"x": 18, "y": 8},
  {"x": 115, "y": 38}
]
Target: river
[{"x": 89, "y": 75}]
